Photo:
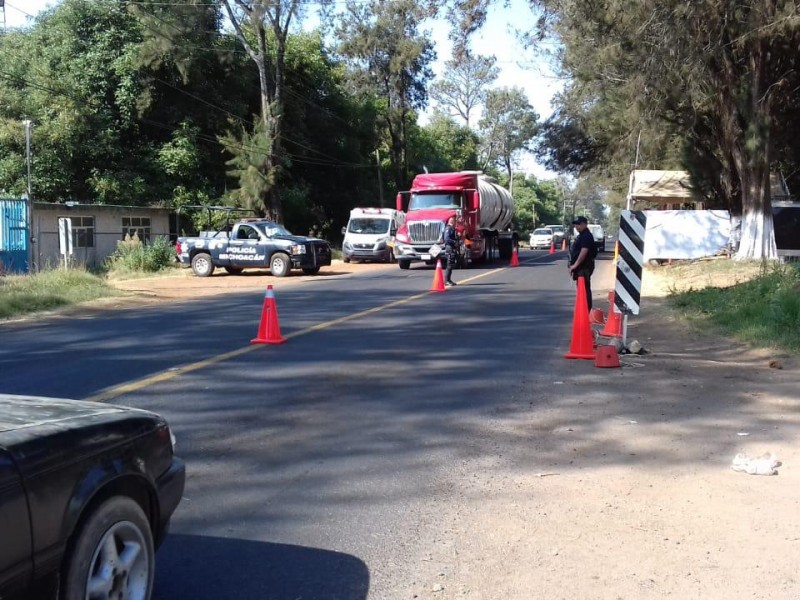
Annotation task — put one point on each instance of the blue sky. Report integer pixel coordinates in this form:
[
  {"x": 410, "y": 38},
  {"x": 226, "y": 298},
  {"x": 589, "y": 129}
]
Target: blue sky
[{"x": 518, "y": 66}]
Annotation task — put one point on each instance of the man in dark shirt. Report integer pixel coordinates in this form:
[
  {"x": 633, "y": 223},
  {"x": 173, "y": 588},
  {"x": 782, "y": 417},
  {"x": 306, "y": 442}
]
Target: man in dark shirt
[{"x": 581, "y": 256}]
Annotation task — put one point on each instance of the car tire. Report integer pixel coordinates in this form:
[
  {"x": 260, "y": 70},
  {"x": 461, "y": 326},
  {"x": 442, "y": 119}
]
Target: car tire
[
  {"x": 404, "y": 264},
  {"x": 280, "y": 264},
  {"x": 310, "y": 270},
  {"x": 112, "y": 554},
  {"x": 234, "y": 270},
  {"x": 345, "y": 259},
  {"x": 202, "y": 265}
]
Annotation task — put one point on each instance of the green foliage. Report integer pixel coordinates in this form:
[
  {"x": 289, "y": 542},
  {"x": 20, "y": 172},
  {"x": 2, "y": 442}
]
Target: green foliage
[
  {"x": 22, "y": 294},
  {"x": 71, "y": 76},
  {"x": 536, "y": 203},
  {"x": 444, "y": 145},
  {"x": 390, "y": 59},
  {"x": 464, "y": 85},
  {"x": 709, "y": 87},
  {"x": 133, "y": 255},
  {"x": 508, "y": 126},
  {"x": 251, "y": 151},
  {"x": 764, "y": 311}
]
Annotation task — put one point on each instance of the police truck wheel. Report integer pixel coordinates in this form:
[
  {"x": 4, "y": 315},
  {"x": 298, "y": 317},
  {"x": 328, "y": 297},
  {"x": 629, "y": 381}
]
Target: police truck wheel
[
  {"x": 234, "y": 270},
  {"x": 280, "y": 264},
  {"x": 404, "y": 264},
  {"x": 202, "y": 266}
]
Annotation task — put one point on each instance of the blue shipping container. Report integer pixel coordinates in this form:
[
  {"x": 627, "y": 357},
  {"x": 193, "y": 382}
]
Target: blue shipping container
[{"x": 14, "y": 236}]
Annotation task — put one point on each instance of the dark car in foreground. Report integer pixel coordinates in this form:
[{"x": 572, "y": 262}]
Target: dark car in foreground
[{"x": 86, "y": 494}]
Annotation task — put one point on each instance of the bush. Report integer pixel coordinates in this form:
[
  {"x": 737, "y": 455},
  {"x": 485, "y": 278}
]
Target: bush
[{"x": 134, "y": 255}]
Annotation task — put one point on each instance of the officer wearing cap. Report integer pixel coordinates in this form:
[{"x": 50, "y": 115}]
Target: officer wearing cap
[{"x": 581, "y": 256}]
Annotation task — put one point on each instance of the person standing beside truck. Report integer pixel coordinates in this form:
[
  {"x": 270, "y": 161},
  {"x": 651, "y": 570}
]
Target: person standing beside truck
[
  {"x": 581, "y": 256},
  {"x": 450, "y": 237}
]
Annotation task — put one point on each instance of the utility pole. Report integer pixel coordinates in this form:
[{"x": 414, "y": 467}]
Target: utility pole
[
  {"x": 380, "y": 179},
  {"x": 29, "y": 200}
]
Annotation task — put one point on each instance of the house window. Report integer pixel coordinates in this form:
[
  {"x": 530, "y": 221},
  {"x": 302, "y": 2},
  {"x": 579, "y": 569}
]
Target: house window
[
  {"x": 139, "y": 226},
  {"x": 82, "y": 231}
]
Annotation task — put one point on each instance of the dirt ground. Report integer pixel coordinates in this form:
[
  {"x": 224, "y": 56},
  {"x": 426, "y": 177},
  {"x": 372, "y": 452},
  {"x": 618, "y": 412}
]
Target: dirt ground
[{"x": 617, "y": 483}]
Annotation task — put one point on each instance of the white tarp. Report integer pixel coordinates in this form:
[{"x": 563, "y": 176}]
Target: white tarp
[
  {"x": 683, "y": 234},
  {"x": 661, "y": 186}
]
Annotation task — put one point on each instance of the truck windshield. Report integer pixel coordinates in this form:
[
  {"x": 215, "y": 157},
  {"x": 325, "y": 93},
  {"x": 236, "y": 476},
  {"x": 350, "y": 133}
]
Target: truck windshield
[
  {"x": 419, "y": 201},
  {"x": 368, "y": 225},
  {"x": 273, "y": 229}
]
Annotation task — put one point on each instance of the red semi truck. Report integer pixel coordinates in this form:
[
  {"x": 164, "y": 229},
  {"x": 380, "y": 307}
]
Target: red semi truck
[{"x": 483, "y": 212}]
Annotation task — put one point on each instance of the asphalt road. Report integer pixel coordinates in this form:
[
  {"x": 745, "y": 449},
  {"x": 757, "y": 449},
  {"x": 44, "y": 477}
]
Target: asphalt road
[{"x": 317, "y": 469}]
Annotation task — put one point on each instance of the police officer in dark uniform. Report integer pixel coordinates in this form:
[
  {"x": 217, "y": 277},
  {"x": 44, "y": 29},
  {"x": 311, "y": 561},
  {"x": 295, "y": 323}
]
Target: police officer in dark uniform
[
  {"x": 581, "y": 256},
  {"x": 450, "y": 238}
]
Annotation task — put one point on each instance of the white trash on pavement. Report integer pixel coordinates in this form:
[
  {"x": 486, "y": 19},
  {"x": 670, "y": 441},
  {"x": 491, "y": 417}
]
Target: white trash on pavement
[{"x": 766, "y": 464}]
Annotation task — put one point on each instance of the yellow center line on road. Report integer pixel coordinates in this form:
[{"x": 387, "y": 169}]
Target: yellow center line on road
[{"x": 133, "y": 386}]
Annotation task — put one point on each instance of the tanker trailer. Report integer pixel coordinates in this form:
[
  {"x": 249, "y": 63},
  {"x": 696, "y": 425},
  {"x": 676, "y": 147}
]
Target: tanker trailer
[{"x": 483, "y": 210}]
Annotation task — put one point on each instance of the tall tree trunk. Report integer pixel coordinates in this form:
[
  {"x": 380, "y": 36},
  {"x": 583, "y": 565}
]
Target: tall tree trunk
[{"x": 751, "y": 157}]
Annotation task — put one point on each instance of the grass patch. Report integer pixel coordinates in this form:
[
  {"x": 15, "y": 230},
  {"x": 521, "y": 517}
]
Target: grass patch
[
  {"x": 764, "y": 311},
  {"x": 25, "y": 294}
]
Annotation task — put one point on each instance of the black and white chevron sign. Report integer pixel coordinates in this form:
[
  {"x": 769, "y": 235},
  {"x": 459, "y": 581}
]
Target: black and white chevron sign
[{"x": 628, "y": 287}]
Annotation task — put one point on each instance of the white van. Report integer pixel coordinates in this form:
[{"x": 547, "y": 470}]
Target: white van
[
  {"x": 599, "y": 236},
  {"x": 369, "y": 234},
  {"x": 597, "y": 233}
]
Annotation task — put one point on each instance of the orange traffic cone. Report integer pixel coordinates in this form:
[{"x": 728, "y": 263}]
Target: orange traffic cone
[
  {"x": 552, "y": 247},
  {"x": 438, "y": 278},
  {"x": 269, "y": 330},
  {"x": 607, "y": 357},
  {"x": 514, "y": 258},
  {"x": 613, "y": 326},
  {"x": 582, "y": 339},
  {"x": 564, "y": 244},
  {"x": 596, "y": 316}
]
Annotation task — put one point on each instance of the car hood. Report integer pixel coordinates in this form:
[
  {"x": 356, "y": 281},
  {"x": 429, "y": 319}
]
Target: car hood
[
  {"x": 43, "y": 433},
  {"x": 22, "y": 412}
]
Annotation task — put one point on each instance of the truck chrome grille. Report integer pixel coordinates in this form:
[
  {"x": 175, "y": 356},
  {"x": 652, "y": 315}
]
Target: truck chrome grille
[{"x": 425, "y": 231}]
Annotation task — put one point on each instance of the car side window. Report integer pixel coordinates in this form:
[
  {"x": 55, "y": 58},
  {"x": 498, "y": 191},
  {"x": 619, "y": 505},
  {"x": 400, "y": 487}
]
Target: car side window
[{"x": 247, "y": 233}]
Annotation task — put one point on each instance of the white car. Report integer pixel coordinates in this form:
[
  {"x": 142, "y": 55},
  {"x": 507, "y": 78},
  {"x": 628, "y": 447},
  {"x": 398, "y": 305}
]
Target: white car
[{"x": 541, "y": 238}]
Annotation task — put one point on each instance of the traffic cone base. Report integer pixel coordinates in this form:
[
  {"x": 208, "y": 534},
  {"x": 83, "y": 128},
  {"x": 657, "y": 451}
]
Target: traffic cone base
[
  {"x": 514, "y": 258},
  {"x": 438, "y": 278},
  {"x": 269, "y": 329},
  {"x": 607, "y": 357},
  {"x": 582, "y": 341},
  {"x": 613, "y": 325}
]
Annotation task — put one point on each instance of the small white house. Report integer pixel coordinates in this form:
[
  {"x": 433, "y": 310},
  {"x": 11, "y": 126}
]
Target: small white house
[{"x": 96, "y": 229}]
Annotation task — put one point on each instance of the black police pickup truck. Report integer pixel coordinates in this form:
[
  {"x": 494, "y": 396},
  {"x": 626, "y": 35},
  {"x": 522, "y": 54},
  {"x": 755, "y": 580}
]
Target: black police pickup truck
[{"x": 253, "y": 243}]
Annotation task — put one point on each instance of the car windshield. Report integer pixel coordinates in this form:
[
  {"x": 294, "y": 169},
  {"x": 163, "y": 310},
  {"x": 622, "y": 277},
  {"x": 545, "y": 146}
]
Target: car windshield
[
  {"x": 368, "y": 225},
  {"x": 274, "y": 230},
  {"x": 419, "y": 201},
  {"x": 556, "y": 228},
  {"x": 542, "y": 232}
]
